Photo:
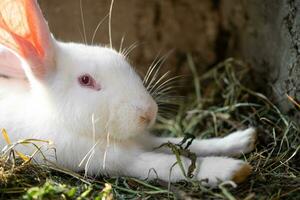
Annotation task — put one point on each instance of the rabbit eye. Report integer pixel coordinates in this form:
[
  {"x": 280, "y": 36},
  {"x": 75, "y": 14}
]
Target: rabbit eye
[{"x": 87, "y": 80}]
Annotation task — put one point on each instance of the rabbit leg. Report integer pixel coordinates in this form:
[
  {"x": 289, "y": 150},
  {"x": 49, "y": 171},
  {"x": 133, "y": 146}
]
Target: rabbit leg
[
  {"x": 214, "y": 170},
  {"x": 210, "y": 170},
  {"x": 130, "y": 160},
  {"x": 237, "y": 143}
]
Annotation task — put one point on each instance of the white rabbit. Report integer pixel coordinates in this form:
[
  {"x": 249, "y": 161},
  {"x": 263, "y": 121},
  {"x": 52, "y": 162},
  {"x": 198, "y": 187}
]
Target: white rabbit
[{"x": 84, "y": 97}]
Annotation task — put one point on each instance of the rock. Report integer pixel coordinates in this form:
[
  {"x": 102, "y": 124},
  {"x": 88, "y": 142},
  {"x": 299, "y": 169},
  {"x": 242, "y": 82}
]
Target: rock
[{"x": 268, "y": 36}]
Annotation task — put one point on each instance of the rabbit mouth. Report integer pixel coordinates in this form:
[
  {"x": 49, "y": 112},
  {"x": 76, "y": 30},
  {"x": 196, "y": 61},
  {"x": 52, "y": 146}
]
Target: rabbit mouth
[
  {"x": 126, "y": 129},
  {"x": 123, "y": 134}
]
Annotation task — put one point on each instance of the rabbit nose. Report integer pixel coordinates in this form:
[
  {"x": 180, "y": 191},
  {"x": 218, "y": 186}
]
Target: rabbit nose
[
  {"x": 148, "y": 116},
  {"x": 145, "y": 119}
]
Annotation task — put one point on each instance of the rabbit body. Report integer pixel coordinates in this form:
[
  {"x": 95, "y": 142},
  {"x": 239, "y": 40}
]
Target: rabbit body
[
  {"x": 88, "y": 100},
  {"x": 57, "y": 111}
]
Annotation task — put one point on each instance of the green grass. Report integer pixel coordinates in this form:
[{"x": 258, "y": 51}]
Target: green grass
[{"x": 221, "y": 101}]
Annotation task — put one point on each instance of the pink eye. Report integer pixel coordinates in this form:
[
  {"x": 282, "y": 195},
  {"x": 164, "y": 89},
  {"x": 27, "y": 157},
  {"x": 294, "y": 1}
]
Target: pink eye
[{"x": 87, "y": 80}]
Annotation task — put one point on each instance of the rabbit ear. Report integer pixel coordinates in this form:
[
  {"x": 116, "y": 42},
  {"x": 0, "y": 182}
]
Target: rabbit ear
[
  {"x": 10, "y": 64},
  {"x": 24, "y": 31}
]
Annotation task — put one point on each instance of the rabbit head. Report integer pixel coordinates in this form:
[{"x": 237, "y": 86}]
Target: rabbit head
[{"x": 77, "y": 82}]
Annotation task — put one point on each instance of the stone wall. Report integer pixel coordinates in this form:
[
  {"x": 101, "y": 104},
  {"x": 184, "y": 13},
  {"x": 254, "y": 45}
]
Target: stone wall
[{"x": 268, "y": 37}]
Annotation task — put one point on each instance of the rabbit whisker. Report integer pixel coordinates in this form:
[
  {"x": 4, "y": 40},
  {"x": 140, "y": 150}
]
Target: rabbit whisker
[
  {"x": 88, "y": 153},
  {"x": 81, "y": 34},
  {"x": 166, "y": 87},
  {"x": 158, "y": 68},
  {"x": 150, "y": 69},
  {"x": 82, "y": 21},
  {"x": 130, "y": 49},
  {"x": 91, "y": 152},
  {"x": 152, "y": 88},
  {"x": 164, "y": 91},
  {"x": 170, "y": 100},
  {"x": 125, "y": 49},
  {"x": 162, "y": 88},
  {"x": 109, "y": 24},
  {"x": 87, "y": 165},
  {"x": 106, "y": 148},
  {"x": 97, "y": 27},
  {"x": 121, "y": 44},
  {"x": 166, "y": 84},
  {"x": 107, "y": 144}
]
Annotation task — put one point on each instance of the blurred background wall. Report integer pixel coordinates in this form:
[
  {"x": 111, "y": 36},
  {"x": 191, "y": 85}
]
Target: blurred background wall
[
  {"x": 263, "y": 33},
  {"x": 183, "y": 26}
]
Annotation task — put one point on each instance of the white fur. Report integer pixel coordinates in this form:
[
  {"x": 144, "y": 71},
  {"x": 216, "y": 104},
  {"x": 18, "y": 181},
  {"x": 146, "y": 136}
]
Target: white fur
[
  {"x": 58, "y": 109},
  {"x": 235, "y": 144}
]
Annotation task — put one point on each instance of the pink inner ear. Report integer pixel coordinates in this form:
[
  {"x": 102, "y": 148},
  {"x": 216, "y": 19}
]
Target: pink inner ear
[
  {"x": 10, "y": 65},
  {"x": 24, "y": 31}
]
